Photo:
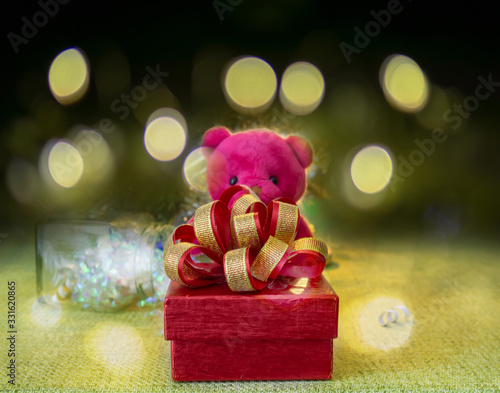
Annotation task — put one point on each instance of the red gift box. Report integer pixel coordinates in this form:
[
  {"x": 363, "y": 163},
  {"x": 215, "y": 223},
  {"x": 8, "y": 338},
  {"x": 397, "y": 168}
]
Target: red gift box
[{"x": 280, "y": 333}]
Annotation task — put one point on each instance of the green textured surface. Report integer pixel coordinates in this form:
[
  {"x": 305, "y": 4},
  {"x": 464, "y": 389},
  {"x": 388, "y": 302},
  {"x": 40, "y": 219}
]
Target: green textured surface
[{"x": 452, "y": 341}]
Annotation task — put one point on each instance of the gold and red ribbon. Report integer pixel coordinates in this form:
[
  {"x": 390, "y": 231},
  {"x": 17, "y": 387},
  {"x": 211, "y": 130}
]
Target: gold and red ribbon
[{"x": 248, "y": 243}]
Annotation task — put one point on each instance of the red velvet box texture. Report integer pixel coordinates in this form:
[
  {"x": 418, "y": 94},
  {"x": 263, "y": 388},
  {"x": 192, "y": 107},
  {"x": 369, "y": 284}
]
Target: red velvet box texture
[{"x": 284, "y": 332}]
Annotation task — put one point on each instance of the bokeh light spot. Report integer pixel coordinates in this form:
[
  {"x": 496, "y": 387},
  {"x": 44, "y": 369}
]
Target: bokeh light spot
[
  {"x": 164, "y": 138},
  {"x": 148, "y": 103},
  {"x": 45, "y": 311},
  {"x": 371, "y": 169},
  {"x": 195, "y": 169},
  {"x": 117, "y": 347},
  {"x": 168, "y": 112},
  {"x": 376, "y": 336},
  {"x": 69, "y": 76},
  {"x": 302, "y": 88},
  {"x": 404, "y": 84},
  {"x": 65, "y": 164},
  {"x": 96, "y": 154},
  {"x": 250, "y": 84}
]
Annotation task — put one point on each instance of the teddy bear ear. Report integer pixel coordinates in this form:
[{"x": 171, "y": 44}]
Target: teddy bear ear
[
  {"x": 302, "y": 149},
  {"x": 214, "y": 136}
]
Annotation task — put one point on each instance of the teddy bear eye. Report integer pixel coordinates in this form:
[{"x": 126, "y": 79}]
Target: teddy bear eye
[
  {"x": 233, "y": 180},
  {"x": 274, "y": 179}
]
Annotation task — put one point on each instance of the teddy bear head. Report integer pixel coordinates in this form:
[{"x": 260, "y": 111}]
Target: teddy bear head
[{"x": 270, "y": 165}]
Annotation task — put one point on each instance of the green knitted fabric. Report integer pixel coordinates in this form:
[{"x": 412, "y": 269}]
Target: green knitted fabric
[{"x": 451, "y": 342}]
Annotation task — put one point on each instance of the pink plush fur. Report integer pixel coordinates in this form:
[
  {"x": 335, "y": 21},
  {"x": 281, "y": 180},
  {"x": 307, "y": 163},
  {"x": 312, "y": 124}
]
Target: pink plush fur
[{"x": 256, "y": 158}]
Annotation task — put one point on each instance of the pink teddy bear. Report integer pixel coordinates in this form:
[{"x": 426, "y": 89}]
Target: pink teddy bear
[{"x": 270, "y": 165}]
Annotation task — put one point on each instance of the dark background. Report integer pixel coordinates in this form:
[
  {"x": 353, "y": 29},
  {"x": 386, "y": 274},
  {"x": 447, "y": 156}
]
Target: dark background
[{"x": 453, "y": 195}]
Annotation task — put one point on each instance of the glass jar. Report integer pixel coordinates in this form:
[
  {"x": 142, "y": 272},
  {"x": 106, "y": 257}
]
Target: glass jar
[{"x": 102, "y": 264}]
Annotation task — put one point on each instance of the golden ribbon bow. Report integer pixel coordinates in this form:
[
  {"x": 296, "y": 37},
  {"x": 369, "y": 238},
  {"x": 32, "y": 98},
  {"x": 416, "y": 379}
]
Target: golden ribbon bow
[{"x": 249, "y": 244}]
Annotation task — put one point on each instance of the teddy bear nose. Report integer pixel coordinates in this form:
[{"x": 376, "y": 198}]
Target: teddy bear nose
[{"x": 257, "y": 190}]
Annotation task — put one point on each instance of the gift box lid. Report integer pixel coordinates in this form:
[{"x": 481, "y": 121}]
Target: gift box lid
[{"x": 291, "y": 309}]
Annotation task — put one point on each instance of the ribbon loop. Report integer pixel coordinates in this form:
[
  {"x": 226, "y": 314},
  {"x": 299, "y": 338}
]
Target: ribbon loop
[
  {"x": 210, "y": 226},
  {"x": 248, "y": 231},
  {"x": 267, "y": 260},
  {"x": 282, "y": 220},
  {"x": 236, "y": 270},
  {"x": 249, "y": 244},
  {"x": 309, "y": 244}
]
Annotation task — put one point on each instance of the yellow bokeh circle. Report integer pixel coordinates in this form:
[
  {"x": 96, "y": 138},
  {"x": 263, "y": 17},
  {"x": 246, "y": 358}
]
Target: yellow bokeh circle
[
  {"x": 164, "y": 138},
  {"x": 65, "y": 164},
  {"x": 195, "y": 170},
  {"x": 404, "y": 84},
  {"x": 250, "y": 84},
  {"x": 371, "y": 169},
  {"x": 302, "y": 88},
  {"x": 69, "y": 76}
]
